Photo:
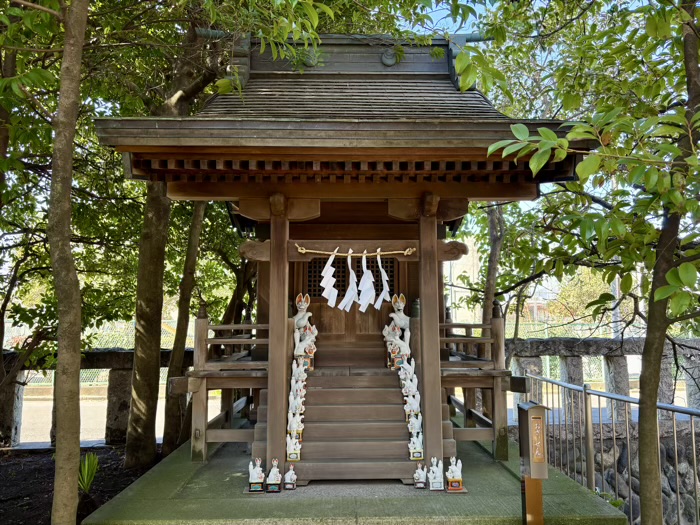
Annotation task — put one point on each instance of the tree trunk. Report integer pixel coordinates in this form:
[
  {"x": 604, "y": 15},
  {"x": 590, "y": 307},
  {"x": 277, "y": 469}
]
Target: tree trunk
[
  {"x": 67, "y": 456},
  {"x": 141, "y": 431},
  {"x": 140, "y": 437},
  {"x": 496, "y": 234},
  {"x": 174, "y": 406},
  {"x": 8, "y": 428},
  {"x": 657, "y": 325},
  {"x": 649, "y": 475}
]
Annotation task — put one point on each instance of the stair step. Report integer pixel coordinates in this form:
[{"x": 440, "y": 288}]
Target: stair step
[
  {"x": 348, "y": 396},
  {"x": 357, "y": 450},
  {"x": 350, "y": 413},
  {"x": 351, "y": 356},
  {"x": 360, "y": 469},
  {"x": 355, "y": 413},
  {"x": 327, "y": 430},
  {"x": 360, "y": 449},
  {"x": 351, "y": 371},
  {"x": 353, "y": 381},
  {"x": 353, "y": 396}
]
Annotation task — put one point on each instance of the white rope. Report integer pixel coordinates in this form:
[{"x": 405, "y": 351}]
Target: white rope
[{"x": 406, "y": 252}]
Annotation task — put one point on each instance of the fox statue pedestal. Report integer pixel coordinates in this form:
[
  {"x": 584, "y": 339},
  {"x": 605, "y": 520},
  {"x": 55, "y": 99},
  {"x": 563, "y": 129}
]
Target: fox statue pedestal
[
  {"x": 290, "y": 479},
  {"x": 256, "y": 477}
]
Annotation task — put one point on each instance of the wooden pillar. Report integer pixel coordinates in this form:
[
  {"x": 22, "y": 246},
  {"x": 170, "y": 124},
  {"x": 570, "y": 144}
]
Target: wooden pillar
[
  {"x": 199, "y": 398},
  {"x": 260, "y": 352},
  {"x": 429, "y": 329},
  {"x": 277, "y": 352}
]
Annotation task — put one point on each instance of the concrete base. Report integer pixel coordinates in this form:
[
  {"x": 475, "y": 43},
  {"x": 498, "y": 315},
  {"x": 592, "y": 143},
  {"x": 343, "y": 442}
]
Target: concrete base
[{"x": 178, "y": 491}]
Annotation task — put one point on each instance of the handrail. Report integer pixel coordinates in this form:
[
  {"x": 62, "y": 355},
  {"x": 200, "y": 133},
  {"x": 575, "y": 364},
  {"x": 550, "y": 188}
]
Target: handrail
[
  {"x": 217, "y": 327},
  {"x": 617, "y": 397},
  {"x": 464, "y": 325}
]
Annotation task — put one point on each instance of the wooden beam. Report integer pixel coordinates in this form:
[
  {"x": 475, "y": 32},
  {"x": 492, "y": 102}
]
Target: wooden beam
[
  {"x": 297, "y": 209},
  {"x": 476, "y": 191},
  {"x": 199, "y": 422},
  {"x": 304, "y": 209},
  {"x": 404, "y": 209},
  {"x": 230, "y": 435},
  {"x": 277, "y": 359},
  {"x": 260, "y": 251},
  {"x": 452, "y": 209},
  {"x": 256, "y": 209},
  {"x": 430, "y": 205},
  {"x": 411, "y": 209},
  {"x": 429, "y": 333}
]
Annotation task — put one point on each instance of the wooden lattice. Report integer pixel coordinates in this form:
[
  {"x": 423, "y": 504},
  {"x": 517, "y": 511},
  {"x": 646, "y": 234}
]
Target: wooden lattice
[{"x": 315, "y": 267}]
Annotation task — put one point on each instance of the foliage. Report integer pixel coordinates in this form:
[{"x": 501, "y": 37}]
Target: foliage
[
  {"x": 129, "y": 62},
  {"x": 89, "y": 465},
  {"x": 618, "y": 68}
]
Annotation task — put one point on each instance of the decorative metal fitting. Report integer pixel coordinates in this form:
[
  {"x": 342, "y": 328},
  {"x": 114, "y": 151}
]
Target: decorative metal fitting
[{"x": 389, "y": 57}]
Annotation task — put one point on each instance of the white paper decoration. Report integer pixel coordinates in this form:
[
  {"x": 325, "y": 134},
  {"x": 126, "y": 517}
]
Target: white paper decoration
[
  {"x": 351, "y": 293},
  {"x": 384, "y": 294},
  {"x": 366, "y": 286},
  {"x": 328, "y": 281}
]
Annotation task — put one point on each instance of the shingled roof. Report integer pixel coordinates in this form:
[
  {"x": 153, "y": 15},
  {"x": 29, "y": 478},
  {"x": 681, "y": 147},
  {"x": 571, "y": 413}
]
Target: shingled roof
[
  {"x": 309, "y": 97},
  {"x": 354, "y": 111}
]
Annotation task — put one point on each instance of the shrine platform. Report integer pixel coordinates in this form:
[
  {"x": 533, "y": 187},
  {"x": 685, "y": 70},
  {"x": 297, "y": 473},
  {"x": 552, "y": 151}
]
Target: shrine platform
[{"x": 177, "y": 491}]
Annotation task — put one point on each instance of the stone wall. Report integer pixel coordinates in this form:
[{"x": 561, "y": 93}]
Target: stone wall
[{"x": 617, "y": 468}]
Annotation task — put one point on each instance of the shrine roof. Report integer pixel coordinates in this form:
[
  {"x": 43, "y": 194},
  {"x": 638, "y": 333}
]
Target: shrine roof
[
  {"x": 316, "y": 97},
  {"x": 362, "y": 108}
]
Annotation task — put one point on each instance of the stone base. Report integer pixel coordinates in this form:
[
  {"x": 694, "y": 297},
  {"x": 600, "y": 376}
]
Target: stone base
[
  {"x": 437, "y": 485},
  {"x": 257, "y": 487},
  {"x": 455, "y": 486}
]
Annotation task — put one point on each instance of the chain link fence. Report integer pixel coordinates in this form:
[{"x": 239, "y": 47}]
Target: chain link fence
[{"x": 94, "y": 377}]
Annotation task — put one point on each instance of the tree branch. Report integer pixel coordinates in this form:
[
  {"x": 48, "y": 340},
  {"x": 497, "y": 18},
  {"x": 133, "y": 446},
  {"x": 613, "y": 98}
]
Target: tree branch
[
  {"x": 685, "y": 317},
  {"x": 38, "y": 7}
]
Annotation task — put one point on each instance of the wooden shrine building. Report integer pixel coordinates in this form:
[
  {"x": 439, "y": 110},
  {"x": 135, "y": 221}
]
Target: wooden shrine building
[{"x": 359, "y": 151}]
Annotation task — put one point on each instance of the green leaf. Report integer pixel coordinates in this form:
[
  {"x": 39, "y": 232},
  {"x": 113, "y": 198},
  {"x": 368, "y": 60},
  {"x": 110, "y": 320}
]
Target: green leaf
[
  {"x": 664, "y": 292},
  {"x": 626, "y": 283},
  {"x": 462, "y": 61},
  {"x": 498, "y": 145},
  {"x": 539, "y": 159},
  {"x": 651, "y": 178},
  {"x": 513, "y": 148},
  {"x": 548, "y": 134},
  {"x": 325, "y": 9},
  {"x": 311, "y": 13},
  {"x": 679, "y": 303},
  {"x": 520, "y": 131},
  {"x": 468, "y": 77},
  {"x": 674, "y": 278},
  {"x": 588, "y": 167},
  {"x": 688, "y": 274}
]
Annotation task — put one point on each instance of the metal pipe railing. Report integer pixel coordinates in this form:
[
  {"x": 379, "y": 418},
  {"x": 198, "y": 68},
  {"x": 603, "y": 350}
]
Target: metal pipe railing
[{"x": 571, "y": 424}]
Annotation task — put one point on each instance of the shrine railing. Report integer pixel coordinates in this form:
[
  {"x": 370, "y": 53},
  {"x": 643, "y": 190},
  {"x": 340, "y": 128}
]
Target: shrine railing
[
  {"x": 231, "y": 346},
  {"x": 593, "y": 438}
]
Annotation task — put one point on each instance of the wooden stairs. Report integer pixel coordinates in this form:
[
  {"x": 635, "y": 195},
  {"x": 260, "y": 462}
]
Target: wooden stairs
[{"x": 354, "y": 422}]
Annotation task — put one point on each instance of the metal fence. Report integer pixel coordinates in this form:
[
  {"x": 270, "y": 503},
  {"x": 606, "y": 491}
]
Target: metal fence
[
  {"x": 88, "y": 377},
  {"x": 593, "y": 438}
]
